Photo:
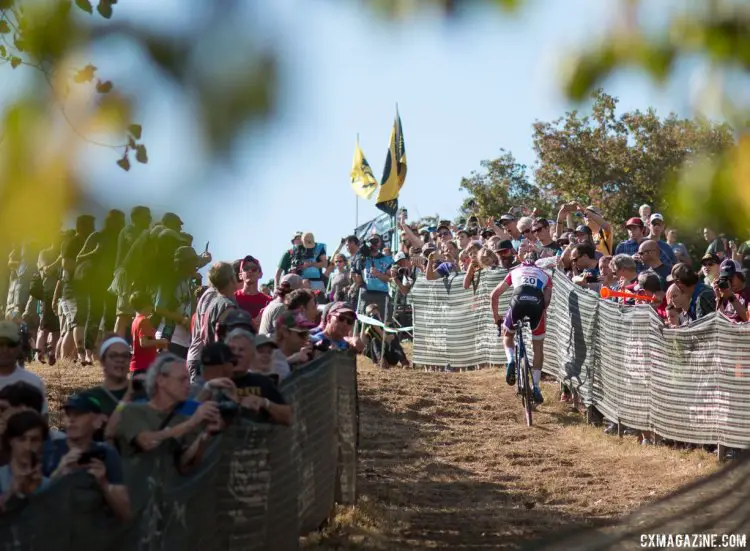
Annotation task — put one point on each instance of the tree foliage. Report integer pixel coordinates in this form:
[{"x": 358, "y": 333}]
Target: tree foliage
[
  {"x": 621, "y": 161},
  {"x": 502, "y": 184},
  {"x": 616, "y": 162}
]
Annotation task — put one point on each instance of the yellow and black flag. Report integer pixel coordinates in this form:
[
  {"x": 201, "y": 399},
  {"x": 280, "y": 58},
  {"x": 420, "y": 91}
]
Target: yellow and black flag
[
  {"x": 363, "y": 180},
  {"x": 394, "y": 172}
]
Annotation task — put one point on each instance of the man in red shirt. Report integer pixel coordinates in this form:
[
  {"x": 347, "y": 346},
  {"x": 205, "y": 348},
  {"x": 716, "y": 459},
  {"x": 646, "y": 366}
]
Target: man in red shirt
[{"x": 249, "y": 298}]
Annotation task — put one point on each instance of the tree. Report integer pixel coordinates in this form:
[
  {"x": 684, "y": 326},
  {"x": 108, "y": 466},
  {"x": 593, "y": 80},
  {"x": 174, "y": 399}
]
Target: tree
[
  {"x": 503, "y": 184},
  {"x": 620, "y": 162}
]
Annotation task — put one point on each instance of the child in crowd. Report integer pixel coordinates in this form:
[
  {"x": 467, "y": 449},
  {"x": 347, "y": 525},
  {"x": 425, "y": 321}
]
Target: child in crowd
[{"x": 145, "y": 343}]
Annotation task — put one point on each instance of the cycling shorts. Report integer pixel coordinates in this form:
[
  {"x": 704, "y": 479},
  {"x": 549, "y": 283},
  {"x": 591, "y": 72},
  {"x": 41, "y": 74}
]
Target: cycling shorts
[{"x": 527, "y": 302}]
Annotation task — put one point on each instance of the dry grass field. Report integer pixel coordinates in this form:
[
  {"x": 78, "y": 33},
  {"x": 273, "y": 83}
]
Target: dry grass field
[{"x": 447, "y": 462}]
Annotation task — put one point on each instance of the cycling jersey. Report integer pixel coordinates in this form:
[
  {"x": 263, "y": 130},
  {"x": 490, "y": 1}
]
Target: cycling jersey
[{"x": 529, "y": 283}]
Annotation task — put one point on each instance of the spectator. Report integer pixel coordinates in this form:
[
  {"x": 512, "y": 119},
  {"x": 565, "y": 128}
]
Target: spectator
[
  {"x": 145, "y": 343},
  {"x": 289, "y": 283},
  {"x": 75, "y": 287},
  {"x": 601, "y": 231},
  {"x": 645, "y": 213},
  {"x": 303, "y": 301},
  {"x": 265, "y": 348},
  {"x": 124, "y": 283},
  {"x": 22, "y": 477},
  {"x": 174, "y": 302},
  {"x": 732, "y": 291},
  {"x": 21, "y": 268},
  {"x": 144, "y": 427},
  {"x": 292, "y": 338},
  {"x": 540, "y": 229},
  {"x": 585, "y": 265},
  {"x": 710, "y": 268},
  {"x": 650, "y": 284},
  {"x": 285, "y": 265},
  {"x": 10, "y": 371},
  {"x": 509, "y": 224},
  {"x": 656, "y": 227},
  {"x": 607, "y": 276},
  {"x": 649, "y": 254},
  {"x": 680, "y": 251},
  {"x": 249, "y": 298},
  {"x": 393, "y": 353},
  {"x": 678, "y": 304},
  {"x": 115, "y": 357},
  {"x": 374, "y": 269},
  {"x": 702, "y": 299},
  {"x": 335, "y": 330},
  {"x": 309, "y": 260},
  {"x": 43, "y": 289},
  {"x": 255, "y": 393},
  {"x": 716, "y": 245},
  {"x": 505, "y": 256},
  {"x": 625, "y": 272},
  {"x": 210, "y": 311},
  {"x": 95, "y": 265},
  {"x": 439, "y": 265},
  {"x": 634, "y": 226},
  {"x": 79, "y": 451}
]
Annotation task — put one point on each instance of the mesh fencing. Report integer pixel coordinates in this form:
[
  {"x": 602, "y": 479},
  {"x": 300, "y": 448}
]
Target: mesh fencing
[
  {"x": 690, "y": 384},
  {"x": 259, "y": 486}
]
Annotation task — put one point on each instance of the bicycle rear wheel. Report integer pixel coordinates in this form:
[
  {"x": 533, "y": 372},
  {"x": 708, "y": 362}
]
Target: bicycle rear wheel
[{"x": 527, "y": 396}]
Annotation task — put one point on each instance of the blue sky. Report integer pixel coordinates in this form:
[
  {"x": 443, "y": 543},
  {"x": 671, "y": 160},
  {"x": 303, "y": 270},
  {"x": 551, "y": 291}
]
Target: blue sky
[{"x": 464, "y": 88}]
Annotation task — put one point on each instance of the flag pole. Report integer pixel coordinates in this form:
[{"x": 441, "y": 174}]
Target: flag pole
[{"x": 356, "y": 200}]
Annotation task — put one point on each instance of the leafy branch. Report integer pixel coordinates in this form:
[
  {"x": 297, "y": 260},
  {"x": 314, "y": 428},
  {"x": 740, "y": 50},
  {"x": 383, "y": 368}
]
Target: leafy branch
[{"x": 31, "y": 49}]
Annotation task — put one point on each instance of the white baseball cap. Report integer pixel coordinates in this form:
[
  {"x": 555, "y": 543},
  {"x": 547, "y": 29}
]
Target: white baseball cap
[{"x": 656, "y": 216}]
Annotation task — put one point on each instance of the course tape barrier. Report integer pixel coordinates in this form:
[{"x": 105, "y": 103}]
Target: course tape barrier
[
  {"x": 690, "y": 384},
  {"x": 259, "y": 486}
]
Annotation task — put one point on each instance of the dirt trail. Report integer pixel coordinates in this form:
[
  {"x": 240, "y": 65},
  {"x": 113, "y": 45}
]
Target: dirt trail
[{"x": 446, "y": 462}]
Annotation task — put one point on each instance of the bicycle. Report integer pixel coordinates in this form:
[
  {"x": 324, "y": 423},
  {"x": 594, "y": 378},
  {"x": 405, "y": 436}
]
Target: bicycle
[{"x": 524, "y": 379}]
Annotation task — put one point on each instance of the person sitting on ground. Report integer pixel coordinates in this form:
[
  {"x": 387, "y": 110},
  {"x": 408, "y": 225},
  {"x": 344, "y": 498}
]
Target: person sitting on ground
[
  {"x": 25, "y": 433},
  {"x": 143, "y": 427},
  {"x": 393, "y": 353},
  {"x": 79, "y": 451}
]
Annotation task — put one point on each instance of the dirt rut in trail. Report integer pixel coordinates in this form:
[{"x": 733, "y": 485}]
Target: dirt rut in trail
[{"x": 447, "y": 462}]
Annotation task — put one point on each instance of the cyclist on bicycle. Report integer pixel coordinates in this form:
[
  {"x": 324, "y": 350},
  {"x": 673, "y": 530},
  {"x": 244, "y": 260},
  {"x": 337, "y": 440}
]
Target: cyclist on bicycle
[{"x": 532, "y": 292}]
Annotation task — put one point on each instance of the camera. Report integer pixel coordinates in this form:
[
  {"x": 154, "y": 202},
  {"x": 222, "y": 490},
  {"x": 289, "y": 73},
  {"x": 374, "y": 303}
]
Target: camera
[
  {"x": 723, "y": 283},
  {"x": 87, "y": 457},
  {"x": 322, "y": 346},
  {"x": 228, "y": 409},
  {"x": 137, "y": 385}
]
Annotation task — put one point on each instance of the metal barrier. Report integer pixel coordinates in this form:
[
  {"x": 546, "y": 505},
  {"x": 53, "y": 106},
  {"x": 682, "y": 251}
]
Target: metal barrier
[{"x": 259, "y": 487}]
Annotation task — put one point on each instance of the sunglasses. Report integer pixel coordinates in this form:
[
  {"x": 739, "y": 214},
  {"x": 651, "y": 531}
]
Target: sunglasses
[
  {"x": 346, "y": 319},
  {"x": 339, "y": 262},
  {"x": 536, "y": 230},
  {"x": 250, "y": 269},
  {"x": 708, "y": 264}
]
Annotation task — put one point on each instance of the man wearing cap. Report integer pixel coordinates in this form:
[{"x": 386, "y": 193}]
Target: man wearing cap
[
  {"x": 601, "y": 231},
  {"x": 249, "y": 298},
  {"x": 509, "y": 223},
  {"x": 374, "y": 269},
  {"x": 174, "y": 303},
  {"x": 293, "y": 340},
  {"x": 656, "y": 227},
  {"x": 254, "y": 392},
  {"x": 79, "y": 452},
  {"x": 732, "y": 291},
  {"x": 172, "y": 222},
  {"x": 335, "y": 330},
  {"x": 285, "y": 264},
  {"x": 289, "y": 283},
  {"x": 635, "y": 228},
  {"x": 309, "y": 260},
  {"x": 10, "y": 351}
]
